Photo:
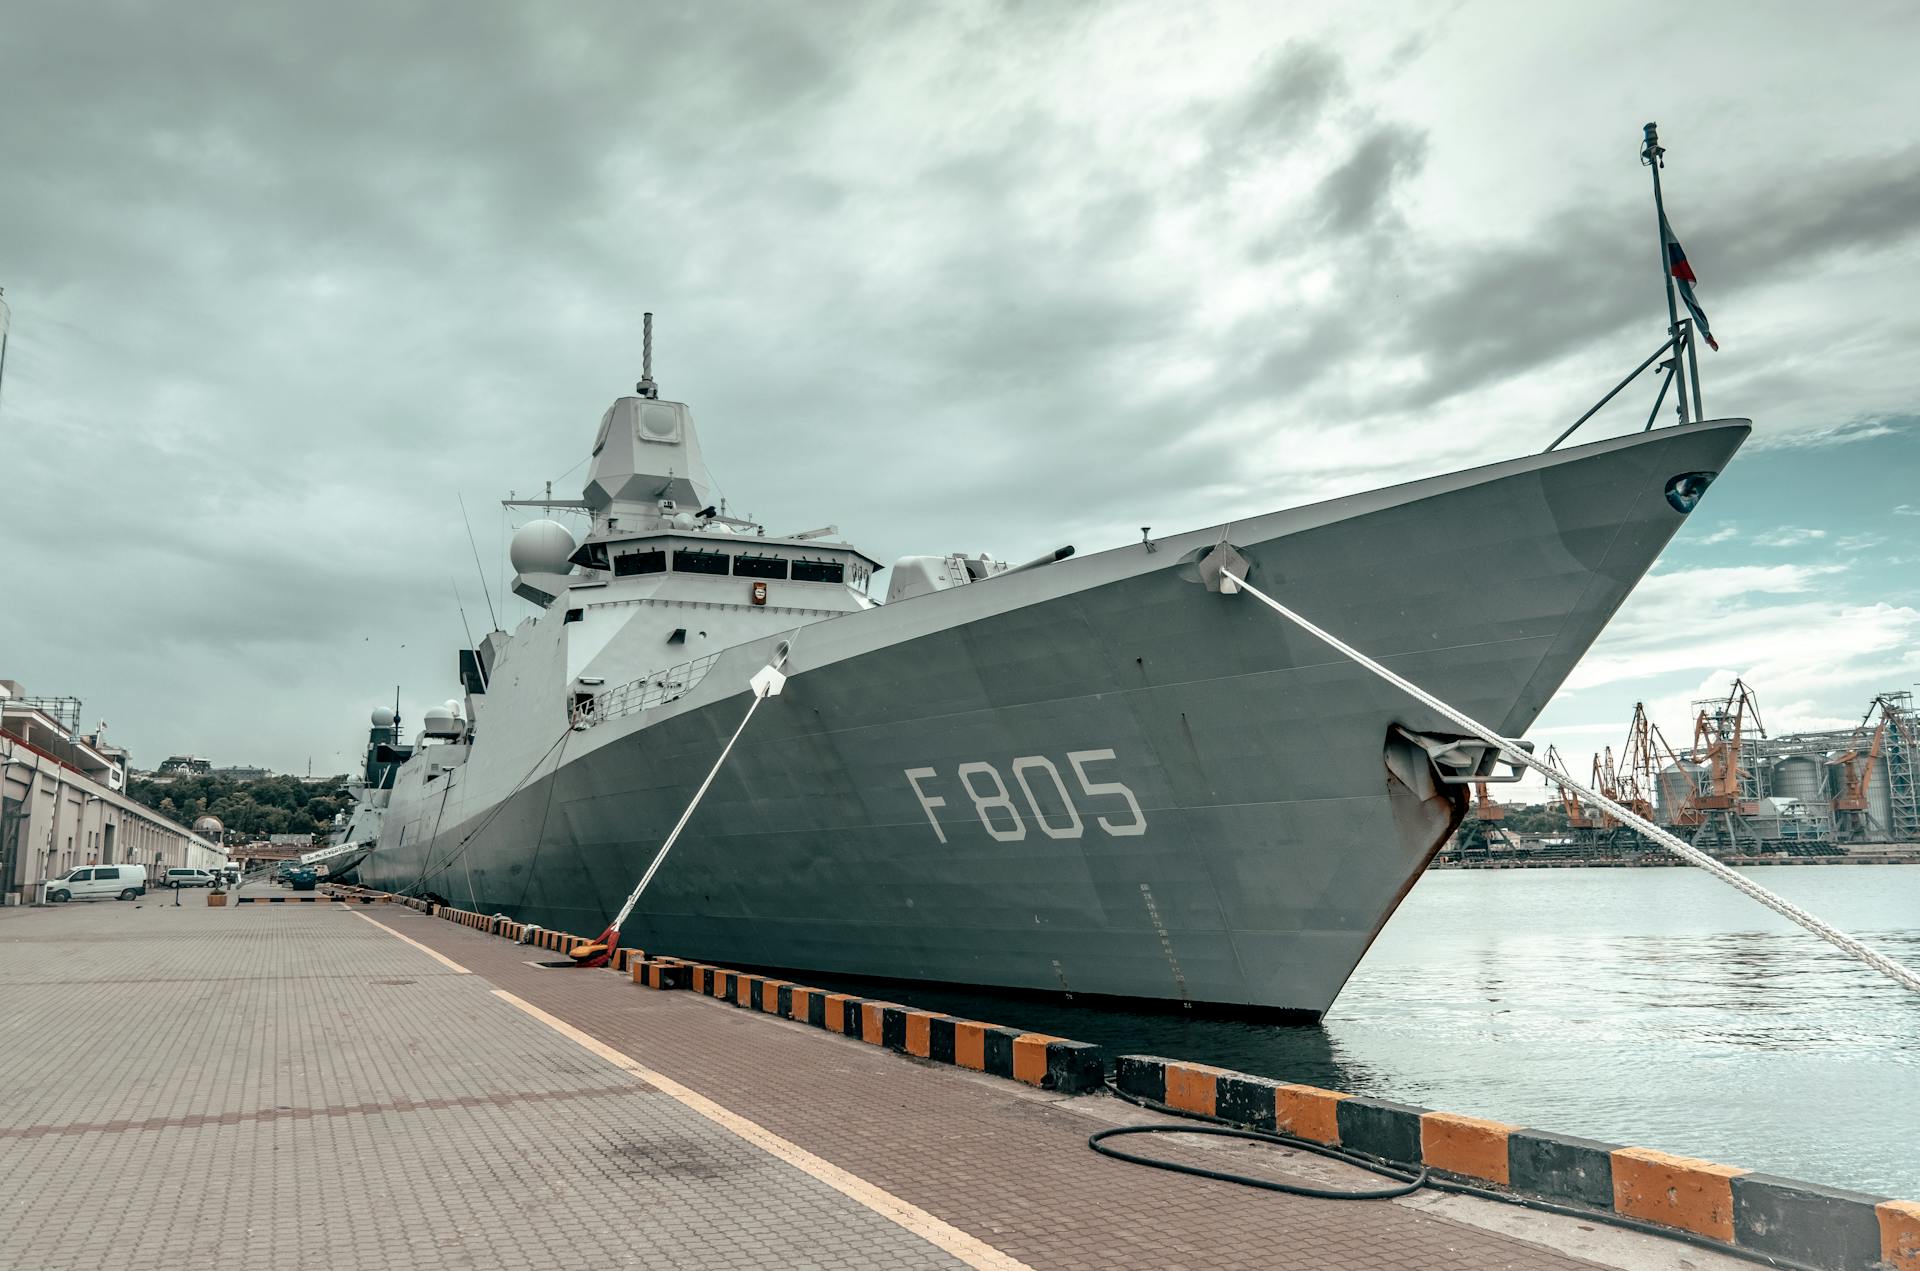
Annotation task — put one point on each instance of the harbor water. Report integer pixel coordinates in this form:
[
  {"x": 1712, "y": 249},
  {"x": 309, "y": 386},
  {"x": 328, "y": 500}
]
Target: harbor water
[{"x": 1651, "y": 1007}]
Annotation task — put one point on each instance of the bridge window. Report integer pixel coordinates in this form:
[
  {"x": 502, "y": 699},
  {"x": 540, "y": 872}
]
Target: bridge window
[
  {"x": 697, "y": 562},
  {"x": 653, "y": 562},
  {"x": 759, "y": 567},
  {"x": 819, "y": 571}
]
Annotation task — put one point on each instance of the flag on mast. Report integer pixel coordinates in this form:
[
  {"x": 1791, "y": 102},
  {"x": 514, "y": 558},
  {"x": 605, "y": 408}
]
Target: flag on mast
[{"x": 1683, "y": 274}]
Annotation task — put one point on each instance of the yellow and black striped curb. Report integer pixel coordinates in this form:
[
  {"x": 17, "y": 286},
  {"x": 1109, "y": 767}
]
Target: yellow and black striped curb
[
  {"x": 358, "y": 894},
  {"x": 288, "y": 900},
  {"x": 1826, "y": 1227},
  {"x": 1051, "y": 1063},
  {"x": 661, "y": 973},
  {"x": 1038, "y": 1059}
]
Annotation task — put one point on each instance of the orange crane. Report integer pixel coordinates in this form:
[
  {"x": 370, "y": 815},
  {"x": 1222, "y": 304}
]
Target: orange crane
[
  {"x": 1578, "y": 817},
  {"x": 1856, "y": 769},
  {"x": 1484, "y": 806},
  {"x": 1718, "y": 734},
  {"x": 1606, "y": 779},
  {"x": 1639, "y": 774},
  {"x": 1485, "y": 829},
  {"x": 1647, "y": 755}
]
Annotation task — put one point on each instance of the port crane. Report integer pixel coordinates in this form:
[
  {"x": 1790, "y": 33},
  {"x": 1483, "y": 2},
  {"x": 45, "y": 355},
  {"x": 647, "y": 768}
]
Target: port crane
[
  {"x": 1648, "y": 756},
  {"x": 1606, "y": 779},
  {"x": 1641, "y": 762},
  {"x": 1485, "y": 830},
  {"x": 1858, "y": 767},
  {"x": 1580, "y": 819},
  {"x": 1718, "y": 733},
  {"x": 1856, "y": 773}
]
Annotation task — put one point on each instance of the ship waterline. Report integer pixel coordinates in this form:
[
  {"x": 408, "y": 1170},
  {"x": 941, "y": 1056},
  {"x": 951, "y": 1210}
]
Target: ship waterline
[{"x": 1101, "y": 777}]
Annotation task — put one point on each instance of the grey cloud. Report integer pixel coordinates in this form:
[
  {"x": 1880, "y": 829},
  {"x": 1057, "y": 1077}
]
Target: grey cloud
[
  {"x": 1356, "y": 194},
  {"x": 1289, "y": 93},
  {"x": 1591, "y": 270},
  {"x": 1840, "y": 205},
  {"x": 1505, "y": 306}
]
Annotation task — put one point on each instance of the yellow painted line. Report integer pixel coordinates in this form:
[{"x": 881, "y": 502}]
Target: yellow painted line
[
  {"x": 944, "y": 1235},
  {"x": 437, "y": 957}
]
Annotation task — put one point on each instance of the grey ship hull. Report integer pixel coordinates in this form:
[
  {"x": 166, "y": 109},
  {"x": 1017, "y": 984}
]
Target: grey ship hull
[{"x": 1275, "y": 842}]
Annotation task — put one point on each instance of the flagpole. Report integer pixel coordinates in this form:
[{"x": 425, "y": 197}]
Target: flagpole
[
  {"x": 1651, "y": 155},
  {"x": 1693, "y": 369}
]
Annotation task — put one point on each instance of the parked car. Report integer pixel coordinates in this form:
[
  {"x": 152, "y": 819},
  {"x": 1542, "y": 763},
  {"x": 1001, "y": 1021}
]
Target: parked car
[
  {"x": 302, "y": 878},
  {"x": 98, "y": 882},
  {"x": 189, "y": 878}
]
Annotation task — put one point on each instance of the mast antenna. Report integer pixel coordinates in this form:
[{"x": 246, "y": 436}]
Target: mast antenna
[
  {"x": 463, "y": 614},
  {"x": 478, "y": 568},
  {"x": 646, "y": 387}
]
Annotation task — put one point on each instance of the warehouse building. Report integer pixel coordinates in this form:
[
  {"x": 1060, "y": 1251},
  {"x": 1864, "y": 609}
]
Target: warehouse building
[{"x": 63, "y": 802}]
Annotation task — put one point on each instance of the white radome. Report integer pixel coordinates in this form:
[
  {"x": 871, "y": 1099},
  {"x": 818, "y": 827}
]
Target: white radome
[
  {"x": 541, "y": 547},
  {"x": 438, "y": 721},
  {"x": 383, "y": 717}
]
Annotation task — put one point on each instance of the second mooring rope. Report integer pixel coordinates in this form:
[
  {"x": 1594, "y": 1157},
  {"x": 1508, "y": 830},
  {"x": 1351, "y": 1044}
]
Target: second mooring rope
[{"x": 1899, "y": 973}]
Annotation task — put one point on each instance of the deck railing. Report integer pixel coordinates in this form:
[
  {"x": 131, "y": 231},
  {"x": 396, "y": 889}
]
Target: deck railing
[{"x": 652, "y": 689}]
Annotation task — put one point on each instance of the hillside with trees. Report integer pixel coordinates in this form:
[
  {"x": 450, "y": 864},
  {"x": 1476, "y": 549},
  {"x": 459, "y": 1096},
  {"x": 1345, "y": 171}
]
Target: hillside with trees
[{"x": 249, "y": 809}]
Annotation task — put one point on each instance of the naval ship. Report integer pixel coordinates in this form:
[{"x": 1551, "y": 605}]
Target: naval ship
[
  {"x": 1100, "y": 775},
  {"x": 357, "y": 830}
]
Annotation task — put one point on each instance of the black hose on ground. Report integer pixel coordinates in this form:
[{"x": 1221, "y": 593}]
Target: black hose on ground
[
  {"x": 1409, "y": 1182},
  {"x": 1224, "y": 1128},
  {"x": 1220, "y": 1127}
]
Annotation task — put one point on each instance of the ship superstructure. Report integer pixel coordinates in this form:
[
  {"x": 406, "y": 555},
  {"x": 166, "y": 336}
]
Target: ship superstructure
[
  {"x": 1104, "y": 775},
  {"x": 357, "y": 830}
]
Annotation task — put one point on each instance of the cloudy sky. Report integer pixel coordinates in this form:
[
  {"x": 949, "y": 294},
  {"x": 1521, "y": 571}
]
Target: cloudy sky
[{"x": 290, "y": 280}]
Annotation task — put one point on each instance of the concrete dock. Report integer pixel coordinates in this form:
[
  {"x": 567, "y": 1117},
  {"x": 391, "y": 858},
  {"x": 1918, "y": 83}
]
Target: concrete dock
[{"x": 347, "y": 1086}]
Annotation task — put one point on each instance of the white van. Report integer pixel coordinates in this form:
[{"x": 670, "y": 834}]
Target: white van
[
  {"x": 98, "y": 882},
  {"x": 188, "y": 878}
]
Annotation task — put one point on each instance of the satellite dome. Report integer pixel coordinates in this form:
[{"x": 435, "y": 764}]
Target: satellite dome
[
  {"x": 541, "y": 547},
  {"x": 383, "y": 717},
  {"x": 208, "y": 825},
  {"x": 438, "y": 721},
  {"x": 454, "y": 707}
]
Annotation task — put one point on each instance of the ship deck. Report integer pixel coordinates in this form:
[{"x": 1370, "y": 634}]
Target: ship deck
[{"x": 345, "y": 1086}]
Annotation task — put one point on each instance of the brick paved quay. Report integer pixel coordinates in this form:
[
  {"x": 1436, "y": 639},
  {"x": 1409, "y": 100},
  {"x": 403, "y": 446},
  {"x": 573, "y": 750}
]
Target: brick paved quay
[{"x": 333, "y": 1086}]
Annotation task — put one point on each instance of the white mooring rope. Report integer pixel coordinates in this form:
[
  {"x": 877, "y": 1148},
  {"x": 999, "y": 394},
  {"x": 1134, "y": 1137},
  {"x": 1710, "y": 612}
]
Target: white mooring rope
[
  {"x": 766, "y": 683},
  {"x": 1895, "y": 971}
]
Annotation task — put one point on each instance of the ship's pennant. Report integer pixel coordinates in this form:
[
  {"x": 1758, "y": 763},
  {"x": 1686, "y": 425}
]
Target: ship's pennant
[{"x": 1683, "y": 274}]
